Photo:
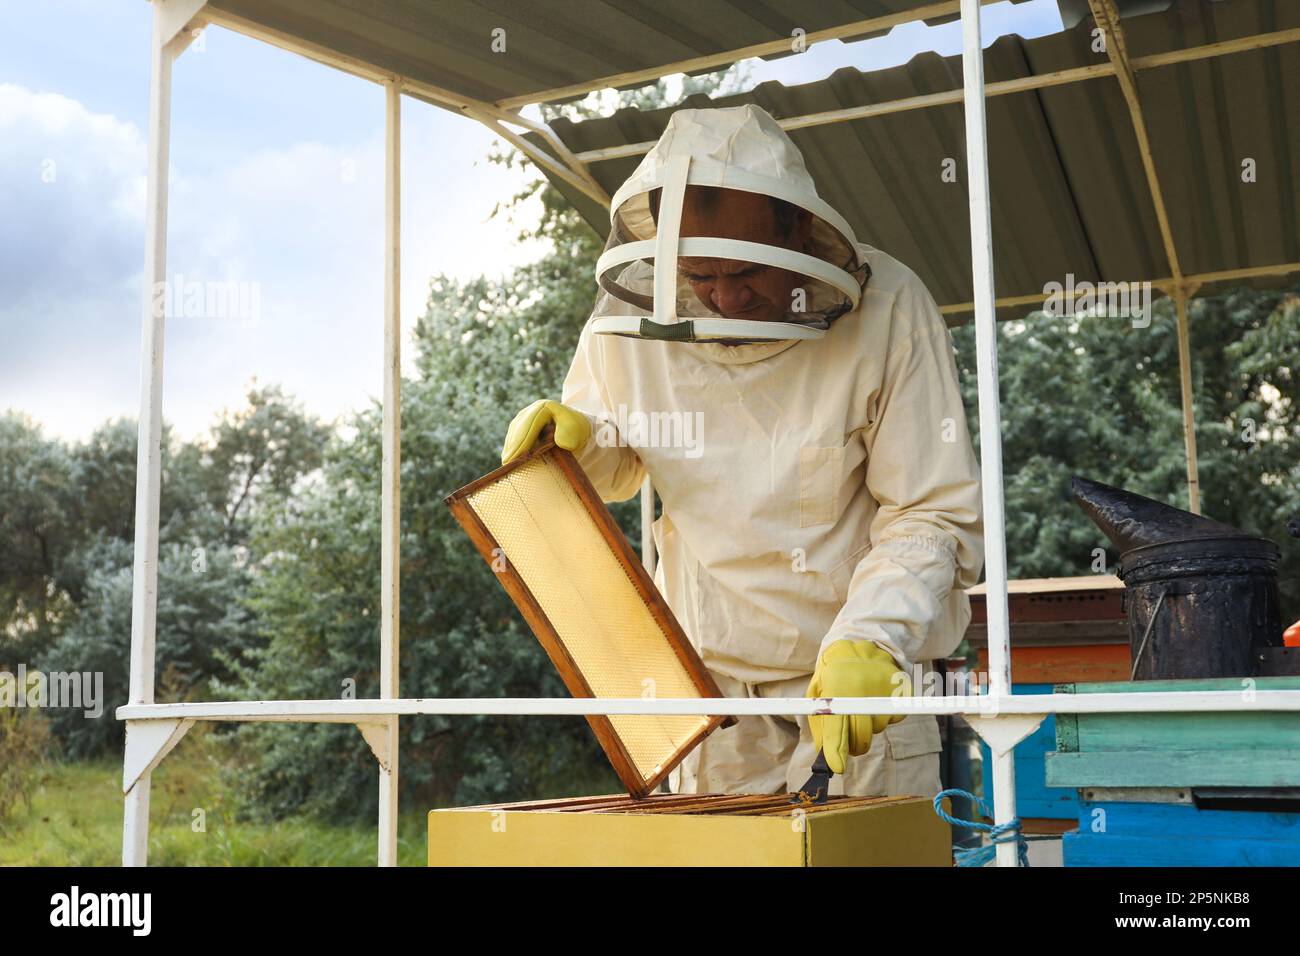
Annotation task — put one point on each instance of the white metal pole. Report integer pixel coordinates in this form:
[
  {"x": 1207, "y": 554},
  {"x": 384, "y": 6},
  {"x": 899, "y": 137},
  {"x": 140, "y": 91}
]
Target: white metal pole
[
  {"x": 391, "y": 524},
  {"x": 148, "y": 482},
  {"x": 986, "y": 346},
  {"x": 648, "y": 556}
]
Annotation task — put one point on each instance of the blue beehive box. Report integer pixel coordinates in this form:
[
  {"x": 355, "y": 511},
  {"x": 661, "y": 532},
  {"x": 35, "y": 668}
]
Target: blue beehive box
[{"x": 1157, "y": 771}]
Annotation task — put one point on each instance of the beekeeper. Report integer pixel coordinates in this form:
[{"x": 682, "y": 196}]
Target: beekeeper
[{"x": 793, "y": 396}]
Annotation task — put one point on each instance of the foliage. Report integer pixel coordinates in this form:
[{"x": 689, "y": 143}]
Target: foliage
[
  {"x": 24, "y": 745},
  {"x": 75, "y": 819},
  {"x": 1092, "y": 395},
  {"x": 66, "y": 549}
]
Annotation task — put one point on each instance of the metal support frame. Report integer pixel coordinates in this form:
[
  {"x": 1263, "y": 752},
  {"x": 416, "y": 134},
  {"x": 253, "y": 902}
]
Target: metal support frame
[
  {"x": 1166, "y": 285},
  {"x": 391, "y": 469},
  {"x": 996, "y": 706},
  {"x": 148, "y": 490},
  {"x": 990, "y": 412},
  {"x": 1000, "y": 718},
  {"x": 1181, "y": 294}
]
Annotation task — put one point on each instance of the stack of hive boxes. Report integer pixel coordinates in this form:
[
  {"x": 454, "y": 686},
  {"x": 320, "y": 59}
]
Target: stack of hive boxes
[{"x": 1181, "y": 789}]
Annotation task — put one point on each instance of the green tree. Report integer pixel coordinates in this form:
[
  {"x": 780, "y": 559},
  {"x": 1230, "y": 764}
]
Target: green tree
[
  {"x": 36, "y": 530},
  {"x": 67, "y": 536},
  {"x": 1094, "y": 396}
]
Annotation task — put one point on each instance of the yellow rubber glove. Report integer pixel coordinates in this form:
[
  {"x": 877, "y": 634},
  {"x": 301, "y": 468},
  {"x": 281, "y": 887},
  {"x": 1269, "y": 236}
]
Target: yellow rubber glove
[
  {"x": 572, "y": 428},
  {"x": 853, "y": 669}
]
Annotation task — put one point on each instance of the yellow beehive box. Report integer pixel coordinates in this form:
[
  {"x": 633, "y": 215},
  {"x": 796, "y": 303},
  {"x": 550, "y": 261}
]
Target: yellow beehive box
[{"x": 692, "y": 830}]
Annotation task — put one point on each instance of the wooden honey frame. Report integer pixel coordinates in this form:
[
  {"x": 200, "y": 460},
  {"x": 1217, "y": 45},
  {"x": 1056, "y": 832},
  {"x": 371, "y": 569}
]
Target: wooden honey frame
[
  {"x": 691, "y": 804},
  {"x": 487, "y": 546}
]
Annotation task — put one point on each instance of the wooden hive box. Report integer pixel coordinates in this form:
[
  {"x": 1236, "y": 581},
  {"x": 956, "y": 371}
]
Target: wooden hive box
[
  {"x": 692, "y": 830},
  {"x": 1228, "y": 749},
  {"x": 1062, "y": 629}
]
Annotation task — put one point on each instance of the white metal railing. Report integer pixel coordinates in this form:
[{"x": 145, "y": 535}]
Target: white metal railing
[
  {"x": 986, "y": 705},
  {"x": 152, "y": 729}
]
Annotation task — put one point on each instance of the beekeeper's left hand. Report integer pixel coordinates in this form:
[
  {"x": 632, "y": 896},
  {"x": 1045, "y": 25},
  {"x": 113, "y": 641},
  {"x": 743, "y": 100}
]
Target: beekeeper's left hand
[{"x": 853, "y": 669}]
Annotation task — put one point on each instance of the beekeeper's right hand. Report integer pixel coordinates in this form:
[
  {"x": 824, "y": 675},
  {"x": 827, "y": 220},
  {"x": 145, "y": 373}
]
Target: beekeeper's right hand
[{"x": 572, "y": 428}]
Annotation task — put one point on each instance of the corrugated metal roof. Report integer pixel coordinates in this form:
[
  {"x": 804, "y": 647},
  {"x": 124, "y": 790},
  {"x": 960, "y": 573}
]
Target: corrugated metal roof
[
  {"x": 447, "y": 43},
  {"x": 1068, "y": 189}
]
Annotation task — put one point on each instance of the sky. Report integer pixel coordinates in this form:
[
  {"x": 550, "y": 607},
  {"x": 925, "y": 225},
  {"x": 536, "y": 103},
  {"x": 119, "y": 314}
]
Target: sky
[{"x": 276, "y": 196}]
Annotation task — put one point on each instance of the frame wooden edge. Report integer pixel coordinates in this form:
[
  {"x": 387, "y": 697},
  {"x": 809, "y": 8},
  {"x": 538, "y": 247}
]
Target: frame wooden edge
[
  {"x": 684, "y": 751},
  {"x": 636, "y": 572},
  {"x": 543, "y": 447},
  {"x": 519, "y": 592}
]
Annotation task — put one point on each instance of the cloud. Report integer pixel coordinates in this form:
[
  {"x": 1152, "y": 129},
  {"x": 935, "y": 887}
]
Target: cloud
[{"x": 298, "y": 226}]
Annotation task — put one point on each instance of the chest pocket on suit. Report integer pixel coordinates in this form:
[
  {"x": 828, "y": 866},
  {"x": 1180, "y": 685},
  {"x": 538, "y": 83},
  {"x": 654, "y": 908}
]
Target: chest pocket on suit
[{"x": 820, "y": 470}]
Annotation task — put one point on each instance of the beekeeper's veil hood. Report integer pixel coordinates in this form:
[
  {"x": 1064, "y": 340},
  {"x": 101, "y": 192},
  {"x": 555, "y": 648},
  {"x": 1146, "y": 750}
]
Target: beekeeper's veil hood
[{"x": 740, "y": 148}]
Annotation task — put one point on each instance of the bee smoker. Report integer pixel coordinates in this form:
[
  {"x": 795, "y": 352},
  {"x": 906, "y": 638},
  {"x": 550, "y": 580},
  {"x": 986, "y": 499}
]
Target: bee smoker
[{"x": 1201, "y": 596}]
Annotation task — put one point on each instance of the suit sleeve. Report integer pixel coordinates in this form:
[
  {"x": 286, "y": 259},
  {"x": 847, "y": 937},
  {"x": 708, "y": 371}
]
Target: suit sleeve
[
  {"x": 927, "y": 535},
  {"x": 615, "y": 469}
]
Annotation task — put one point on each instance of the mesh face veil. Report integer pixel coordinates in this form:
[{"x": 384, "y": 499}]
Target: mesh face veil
[{"x": 740, "y": 270}]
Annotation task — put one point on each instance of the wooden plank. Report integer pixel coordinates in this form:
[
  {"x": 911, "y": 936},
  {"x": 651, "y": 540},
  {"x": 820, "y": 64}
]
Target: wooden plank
[
  {"x": 849, "y": 831},
  {"x": 1172, "y": 834},
  {"x": 1056, "y": 664},
  {"x": 1203, "y": 733},
  {"x": 1133, "y": 818},
  {"x": 1055, "y": 586},
  {"x": 1100, "y": 849},
  {"x": 1223, "y": 743},
  {"x": 1196, "y": 684},
  {"x": 1046, "y": 825},
  {"x": 1175, "y": 768},
  {"x": 1051, "y": 629},
  {"x": 1067, "y": 733}
]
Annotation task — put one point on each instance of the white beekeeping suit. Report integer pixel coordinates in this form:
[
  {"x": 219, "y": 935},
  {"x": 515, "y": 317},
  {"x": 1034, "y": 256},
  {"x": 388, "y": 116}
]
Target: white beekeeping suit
[{"x": 818, "y": 481}]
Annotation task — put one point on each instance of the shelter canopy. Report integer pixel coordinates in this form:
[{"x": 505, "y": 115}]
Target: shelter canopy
[
  {"x": 1069, "y": 191},
  {"x": 554, "y": 46}
]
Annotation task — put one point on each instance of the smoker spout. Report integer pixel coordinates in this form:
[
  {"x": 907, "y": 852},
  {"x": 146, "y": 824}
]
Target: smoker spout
[{"x": 1133, "y": 521}]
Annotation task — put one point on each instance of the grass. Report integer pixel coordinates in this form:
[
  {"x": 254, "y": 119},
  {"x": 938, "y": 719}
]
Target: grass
[{"x": 75, "y": 819}]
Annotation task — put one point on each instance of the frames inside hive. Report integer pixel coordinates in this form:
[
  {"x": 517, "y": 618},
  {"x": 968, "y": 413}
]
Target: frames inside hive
[
  {"x": 694, "y": 804},
  {"x": 563, "y": 560}
]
